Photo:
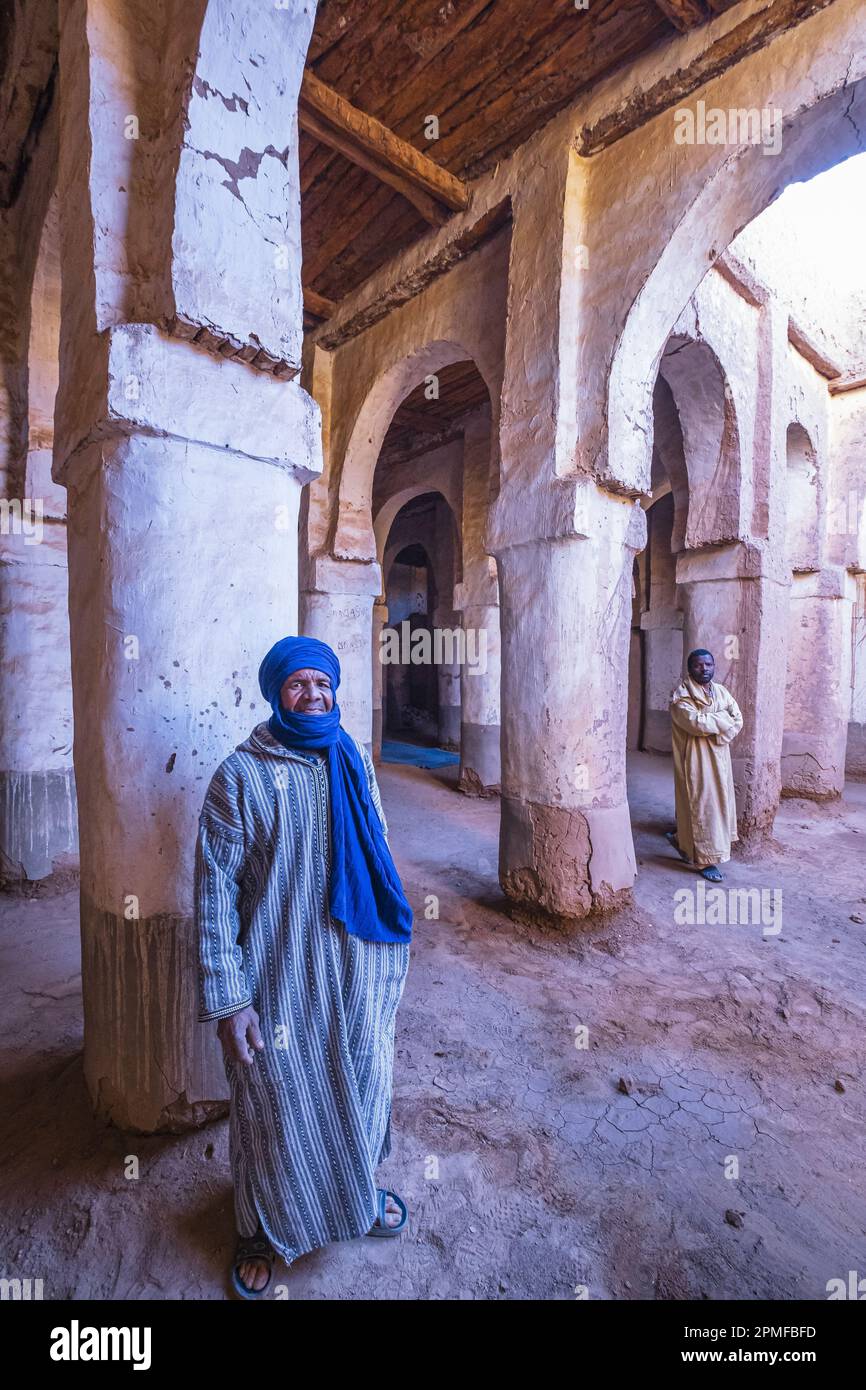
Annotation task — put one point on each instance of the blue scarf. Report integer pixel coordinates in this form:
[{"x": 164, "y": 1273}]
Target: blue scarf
[{"x": 366, "y": 894}]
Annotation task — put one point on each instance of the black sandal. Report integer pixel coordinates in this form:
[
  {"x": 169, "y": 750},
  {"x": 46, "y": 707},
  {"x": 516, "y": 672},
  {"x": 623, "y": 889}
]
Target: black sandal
[{"x": 256, "y": 1247}]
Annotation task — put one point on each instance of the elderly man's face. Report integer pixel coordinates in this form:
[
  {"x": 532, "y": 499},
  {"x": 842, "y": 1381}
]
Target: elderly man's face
[{"x": 307, "y": 692}]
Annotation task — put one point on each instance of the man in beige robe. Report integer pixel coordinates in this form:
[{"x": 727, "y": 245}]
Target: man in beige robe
[{"x": 705, "y": 718}]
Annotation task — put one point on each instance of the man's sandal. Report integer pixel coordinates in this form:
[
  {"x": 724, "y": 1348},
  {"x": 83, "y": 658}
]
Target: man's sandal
[
  {"x": 380, "y": 1228},
  {"x": 256, "y": 1247},
  {"x": 710, "y": 872}
]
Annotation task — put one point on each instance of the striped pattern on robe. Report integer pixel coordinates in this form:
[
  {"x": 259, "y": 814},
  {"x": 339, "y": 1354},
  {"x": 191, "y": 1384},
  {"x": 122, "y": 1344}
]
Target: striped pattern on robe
[{"x": 310, "y": 1118}]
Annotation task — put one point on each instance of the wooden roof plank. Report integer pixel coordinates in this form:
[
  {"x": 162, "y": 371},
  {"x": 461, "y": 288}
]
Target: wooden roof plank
[
  {"x": 529, "y": 98},
  {"x": 395, "y": 226},
  {"x": 345, "y": 48},
  {"x": 476, "y": 62},
  {"x": 314, "y": 161},
  {"x": 344, "y": 232},
  {"x": 339, "y": 187},
  {"x": 400, "y": 47},
  {"x": 366, "y": 141},
  {"x": 407, "y": 418},
  {"x": 334, "y": 22},
  {"x": 390, "y": 456},
  {"x": 747, "y": 37}
]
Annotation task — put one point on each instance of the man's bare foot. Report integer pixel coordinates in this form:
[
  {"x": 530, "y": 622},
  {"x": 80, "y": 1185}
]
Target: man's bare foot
[
  {"x": 253, "y": 1261},
  {"x": 253, "y": 1274},
  {"x": 393, "y": 1214}
]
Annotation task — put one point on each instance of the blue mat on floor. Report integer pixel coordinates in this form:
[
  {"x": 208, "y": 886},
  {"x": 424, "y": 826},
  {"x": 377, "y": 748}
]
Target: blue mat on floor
[{"x": 394, "y": 752}]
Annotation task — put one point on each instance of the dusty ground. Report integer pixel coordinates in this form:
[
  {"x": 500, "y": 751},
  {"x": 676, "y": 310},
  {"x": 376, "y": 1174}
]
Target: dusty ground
[{"x": 530, "y": 1166}]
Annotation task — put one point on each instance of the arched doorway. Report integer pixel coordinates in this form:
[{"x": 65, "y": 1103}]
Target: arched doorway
[
  {"x": 420, "y": 695},
  {"x": 434, "y": 474},
  {"x": 689, "y": 589}
]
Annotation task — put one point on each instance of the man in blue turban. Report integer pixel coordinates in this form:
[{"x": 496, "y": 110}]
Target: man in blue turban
[{"x": 304, "y": 932}]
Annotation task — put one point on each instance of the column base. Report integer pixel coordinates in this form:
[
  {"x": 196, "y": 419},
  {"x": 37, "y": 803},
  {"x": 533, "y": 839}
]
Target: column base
[
  {"x": 38, "y": 828},
  {"x": 564, "y": 863},
  {"x": 480, "y": 767},
  {"x": 449, "y": 726},
  {"x": 855, "y": 756},
  {"x": 757, "y": 795},
  {"x": 140, "y": 987},
  {"x": 803, "y": 774}
]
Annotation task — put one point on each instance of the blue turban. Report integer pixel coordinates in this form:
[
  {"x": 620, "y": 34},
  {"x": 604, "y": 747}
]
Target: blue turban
[{"x": 366, "y": 894}]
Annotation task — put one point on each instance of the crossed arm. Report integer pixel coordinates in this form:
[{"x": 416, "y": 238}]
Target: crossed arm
[{"x": 723, "y": 725}]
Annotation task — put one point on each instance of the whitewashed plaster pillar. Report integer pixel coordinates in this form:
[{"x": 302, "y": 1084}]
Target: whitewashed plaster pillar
[
  {"x": 448, "y": 682},
  {"x": 477, "y": 599},
  {"x": 38, "y": 813},
  {"x": 566, "y": 844},
  {"x": 564, "y": 549},
  {"x": 734, "y": 600},
  {"x": 818, "y": 690},
  {"x": 183, "y": 443},
  {"x": 182, "y": 563},
  {"x": 337, "y": 607},
  {"x": 380, "y": 622}
]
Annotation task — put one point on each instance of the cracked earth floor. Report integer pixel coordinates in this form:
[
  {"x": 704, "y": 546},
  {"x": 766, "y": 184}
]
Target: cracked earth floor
[{"x": 531, "y": 1167}]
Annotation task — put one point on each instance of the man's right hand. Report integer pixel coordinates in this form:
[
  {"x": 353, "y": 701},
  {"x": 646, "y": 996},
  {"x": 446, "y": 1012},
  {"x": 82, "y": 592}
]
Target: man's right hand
[{"x": 240, "y": 1036}]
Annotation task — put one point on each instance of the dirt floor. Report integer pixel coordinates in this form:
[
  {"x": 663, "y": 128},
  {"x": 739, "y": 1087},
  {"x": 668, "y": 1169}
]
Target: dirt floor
[{"x": 532, "y": 1167}]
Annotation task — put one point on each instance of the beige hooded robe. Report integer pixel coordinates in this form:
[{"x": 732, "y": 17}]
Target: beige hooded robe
[{"x": 704, "y": 720}]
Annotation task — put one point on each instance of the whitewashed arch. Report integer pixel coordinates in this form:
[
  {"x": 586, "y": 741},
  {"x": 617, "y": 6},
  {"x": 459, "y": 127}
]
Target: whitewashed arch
[
  {"x": 815, "y": 137},
  {"x": 354, "y": 537}
]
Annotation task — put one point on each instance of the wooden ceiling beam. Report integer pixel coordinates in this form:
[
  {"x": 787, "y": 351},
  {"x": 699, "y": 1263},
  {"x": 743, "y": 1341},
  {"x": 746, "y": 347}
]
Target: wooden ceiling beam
[
  {"x": 317, "y": 304},
  {"x": 683, "y": 14},
  {"x": 327, "y": 116}
]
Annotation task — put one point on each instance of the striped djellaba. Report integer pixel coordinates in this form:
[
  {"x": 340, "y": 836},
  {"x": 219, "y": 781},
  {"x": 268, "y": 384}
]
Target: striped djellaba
[{"x": 310, "y": 1118}]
